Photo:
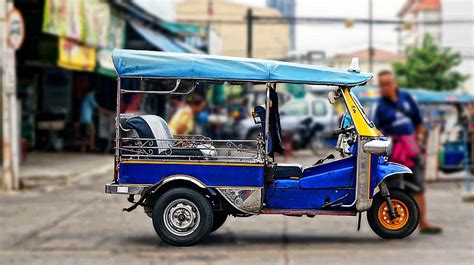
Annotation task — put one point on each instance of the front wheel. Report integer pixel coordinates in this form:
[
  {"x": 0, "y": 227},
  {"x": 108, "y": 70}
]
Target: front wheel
[
  {"x": 403, "y": 225},
  {"x": 182, "y": 217}
]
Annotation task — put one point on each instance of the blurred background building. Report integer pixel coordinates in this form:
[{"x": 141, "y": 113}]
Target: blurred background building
[
  {"x": 227, "y": 19},
  {"x": 382, "y": 59},
  {"x": 422, "y": 17},
  {"x": 287, "y": 9}
]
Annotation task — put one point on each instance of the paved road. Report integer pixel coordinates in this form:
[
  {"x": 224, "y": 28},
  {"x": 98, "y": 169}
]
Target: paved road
[{"x": 82, "y": 225}]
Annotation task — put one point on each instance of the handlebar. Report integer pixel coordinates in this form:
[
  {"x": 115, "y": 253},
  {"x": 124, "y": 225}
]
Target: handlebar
[{"x": 343, "y": 130}]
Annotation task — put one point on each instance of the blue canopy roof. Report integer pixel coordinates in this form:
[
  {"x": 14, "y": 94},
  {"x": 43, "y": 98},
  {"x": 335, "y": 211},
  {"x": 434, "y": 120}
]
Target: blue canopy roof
[
  {"x": 132, "y": 63},
  {"x": 371, "y": 94}
]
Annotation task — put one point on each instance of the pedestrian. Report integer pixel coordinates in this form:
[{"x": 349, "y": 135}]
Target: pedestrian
[
  {"x": 183, "y": 120},
  {"x": 87, "y": 128},
  {"x": 398, "y": 116},
  {"x": 175, "y": 103}
]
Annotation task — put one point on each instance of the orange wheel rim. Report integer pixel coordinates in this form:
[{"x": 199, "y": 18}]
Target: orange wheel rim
[{"x": 396, "y": 223}]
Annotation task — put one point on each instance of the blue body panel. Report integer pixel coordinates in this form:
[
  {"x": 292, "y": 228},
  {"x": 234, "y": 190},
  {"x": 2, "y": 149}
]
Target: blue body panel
[
  {"x": 210, "y": 174},
  {"x": 337, "y": 174},
  {"x": 132, "y": 63},
  {"x": 296, "y": 198},
  {"x": 317, "y": 185}
]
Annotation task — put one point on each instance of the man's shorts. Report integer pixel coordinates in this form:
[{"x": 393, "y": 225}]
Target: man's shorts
[
  {"x": 87, "y": 130},
  {"x": 413, "y": 183}
]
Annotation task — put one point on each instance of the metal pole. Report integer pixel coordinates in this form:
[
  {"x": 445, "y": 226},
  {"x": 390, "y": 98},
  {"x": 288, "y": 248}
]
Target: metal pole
[
  {"x": 117, "y": 130},
  {"x": 267, "y": 119},
  {"x": 247, "y": 86},
  {"x": 467, "y": 169},
  {"x": 10, "y": 141},
  {"x": 249, "y": 33},
  {"x": 371, "y": 44},
  {"x": 6, "y": 177}
]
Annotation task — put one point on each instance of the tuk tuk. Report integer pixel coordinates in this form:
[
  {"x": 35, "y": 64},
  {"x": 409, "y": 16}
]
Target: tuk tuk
[{"x": 190, "y": 184}]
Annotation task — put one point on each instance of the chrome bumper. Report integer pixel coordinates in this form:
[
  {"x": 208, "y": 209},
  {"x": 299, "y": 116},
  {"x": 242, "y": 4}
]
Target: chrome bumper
[{"x": 136, "y": 189}]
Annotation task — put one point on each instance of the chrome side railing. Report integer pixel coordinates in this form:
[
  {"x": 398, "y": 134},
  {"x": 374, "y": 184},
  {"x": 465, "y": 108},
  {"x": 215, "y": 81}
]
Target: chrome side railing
[{"x": 192, "y": 147}]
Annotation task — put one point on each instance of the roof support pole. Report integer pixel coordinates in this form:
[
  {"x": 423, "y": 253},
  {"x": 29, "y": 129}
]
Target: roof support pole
[
  {"x": 117, "y": 130},
  {"x": 267, "y": 118}
]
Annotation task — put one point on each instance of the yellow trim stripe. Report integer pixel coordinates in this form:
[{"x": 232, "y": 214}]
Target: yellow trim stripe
[
  {"x": 191, "y": 163},
  {"x": 360, "y": 123}
]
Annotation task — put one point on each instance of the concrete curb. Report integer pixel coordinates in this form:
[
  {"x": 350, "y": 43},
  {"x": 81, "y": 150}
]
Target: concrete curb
[{"x": 48, "y": 177}]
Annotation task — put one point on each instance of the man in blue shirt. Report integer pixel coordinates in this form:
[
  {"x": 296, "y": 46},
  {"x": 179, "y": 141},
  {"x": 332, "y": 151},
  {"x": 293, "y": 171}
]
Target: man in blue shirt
[
  {"x": 396, "y": 114},
  {"x": 88, "y": 105}
]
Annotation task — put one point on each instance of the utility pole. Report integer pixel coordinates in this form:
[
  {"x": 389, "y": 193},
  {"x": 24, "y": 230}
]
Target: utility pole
[
  {"x": 371, "y": 44},
  {"x": 12, "y": 30},
  {"x": 250, "y": 18},
  {"x": 249, "y": 33}
]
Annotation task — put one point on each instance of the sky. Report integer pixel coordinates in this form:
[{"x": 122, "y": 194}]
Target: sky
[
  {"x": 336, "y": 38},
  {"x": 331, "y": 39}
]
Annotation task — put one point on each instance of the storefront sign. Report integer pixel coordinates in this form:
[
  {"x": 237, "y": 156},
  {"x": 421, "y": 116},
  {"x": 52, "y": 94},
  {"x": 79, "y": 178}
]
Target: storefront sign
[
  {"x": 75, "y": 56},
  {"x": 15, "y": 29}
]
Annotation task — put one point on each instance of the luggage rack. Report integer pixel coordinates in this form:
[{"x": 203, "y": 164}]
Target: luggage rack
[{"x": 192, "y": 147}]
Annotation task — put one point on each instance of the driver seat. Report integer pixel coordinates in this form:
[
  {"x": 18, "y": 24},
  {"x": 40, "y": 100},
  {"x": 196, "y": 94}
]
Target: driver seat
[{"x": 288, "y": 171}]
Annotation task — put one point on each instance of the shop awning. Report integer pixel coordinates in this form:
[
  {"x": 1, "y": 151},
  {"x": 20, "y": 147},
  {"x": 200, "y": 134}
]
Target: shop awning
[
  {"x": 161, "y": 41},
  {"x": 181, "y": 28},
  {"x": 105, "y": 65}
]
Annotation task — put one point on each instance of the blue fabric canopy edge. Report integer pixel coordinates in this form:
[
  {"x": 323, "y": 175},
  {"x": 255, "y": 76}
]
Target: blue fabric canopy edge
[
  {"x": 152, "y": 64},
  {"x": 371, "y": 94}
]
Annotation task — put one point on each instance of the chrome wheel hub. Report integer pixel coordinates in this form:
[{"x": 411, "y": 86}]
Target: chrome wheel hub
[{"x": 181, "y": 217}]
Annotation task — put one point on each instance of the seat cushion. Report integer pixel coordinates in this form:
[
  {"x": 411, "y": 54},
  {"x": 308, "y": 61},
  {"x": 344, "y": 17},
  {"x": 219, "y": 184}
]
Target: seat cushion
[
  {"x": 151, "y": 127},
  {"x": 155, "y": 127},
  {"x": 287, "y": 171}
]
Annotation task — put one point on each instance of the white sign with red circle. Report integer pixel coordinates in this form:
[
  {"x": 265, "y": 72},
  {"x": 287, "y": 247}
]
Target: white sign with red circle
[{"x": 15, "y": 29}]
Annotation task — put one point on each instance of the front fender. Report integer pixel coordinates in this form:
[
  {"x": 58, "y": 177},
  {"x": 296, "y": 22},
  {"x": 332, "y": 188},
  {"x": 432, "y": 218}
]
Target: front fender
[{"x": 388, "y": 169}]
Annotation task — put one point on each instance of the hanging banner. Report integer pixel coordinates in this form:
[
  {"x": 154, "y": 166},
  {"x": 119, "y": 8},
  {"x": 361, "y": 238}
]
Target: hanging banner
[
  {"x": 75, "y": 56},
  {"x": 97, "y": 22},
  {"x": 64, "y": 18},
  {"x": 116, "y": 39},
  {"x": 84, "y": 21}
]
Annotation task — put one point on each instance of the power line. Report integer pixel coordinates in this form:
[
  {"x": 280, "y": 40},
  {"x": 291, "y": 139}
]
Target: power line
[{"x": 325, "y": 20}]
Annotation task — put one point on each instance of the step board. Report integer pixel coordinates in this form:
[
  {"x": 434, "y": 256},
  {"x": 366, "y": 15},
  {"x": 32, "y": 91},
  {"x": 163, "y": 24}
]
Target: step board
[{"x": 307, "y": 212}]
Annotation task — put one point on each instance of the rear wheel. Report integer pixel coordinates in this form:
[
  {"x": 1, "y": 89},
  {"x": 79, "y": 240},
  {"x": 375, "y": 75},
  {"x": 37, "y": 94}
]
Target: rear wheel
[
  {"x": 403, "y": 225},
  {"x": 219, "y": 220},
  {"x": 182, "y": 217}
]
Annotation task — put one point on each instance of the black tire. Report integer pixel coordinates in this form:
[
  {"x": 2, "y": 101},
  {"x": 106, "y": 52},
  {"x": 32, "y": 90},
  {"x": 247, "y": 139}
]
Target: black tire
[
  {"x": 180, "y": 207},
  {"x": 219, "y": 220},
  {"x": 394, "y": 229}
]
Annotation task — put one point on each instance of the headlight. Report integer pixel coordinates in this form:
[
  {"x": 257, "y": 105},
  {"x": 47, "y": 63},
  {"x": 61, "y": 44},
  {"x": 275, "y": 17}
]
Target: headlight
[{"x": 378, "y": 147}]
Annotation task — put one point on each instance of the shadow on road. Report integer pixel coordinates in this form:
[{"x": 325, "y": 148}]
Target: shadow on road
[{"x": 223, "y": 239}]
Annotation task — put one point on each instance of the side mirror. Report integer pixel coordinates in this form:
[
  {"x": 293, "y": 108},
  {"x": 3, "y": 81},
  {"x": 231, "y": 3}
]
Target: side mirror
[{"x": 332, "y": 97}]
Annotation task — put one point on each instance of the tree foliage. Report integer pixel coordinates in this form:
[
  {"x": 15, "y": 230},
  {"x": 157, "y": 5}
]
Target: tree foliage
[{"x": 430, "y": 67}]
